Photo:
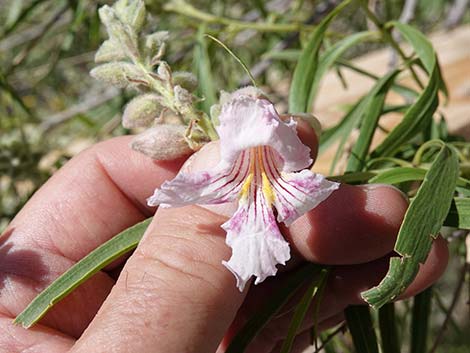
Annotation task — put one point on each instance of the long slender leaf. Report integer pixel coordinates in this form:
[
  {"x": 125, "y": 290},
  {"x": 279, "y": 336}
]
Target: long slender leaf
[
  {"x": 361, "y": 328},
  {"x": 388, "y": 329},
  {"x": 423, "y": 48},
  {"x": 420, "y": 321},
  {"x": 415, "y": 118},
  {"x": 332, "y": 54},
  {"x": 202, "y": 65},
  {"x": 459, "y": 213},
  {"x": 420, "y": 113},
  {"x": 300, "y": 312},
  {"x": 422, "y": 223},
  {"x": 398, "y": 175},
  {"x": 373, "y": 110},
  {"x": 271, "y": 307},
  {"x": 81, "y": 271},
  {"x": 300, "y": 96}
]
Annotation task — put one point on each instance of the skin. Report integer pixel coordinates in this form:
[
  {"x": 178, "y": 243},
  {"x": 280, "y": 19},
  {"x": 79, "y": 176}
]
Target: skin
[{"x": 172, "y": 294}]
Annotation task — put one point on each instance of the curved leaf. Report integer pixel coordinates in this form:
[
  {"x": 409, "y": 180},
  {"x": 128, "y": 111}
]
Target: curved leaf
[
  {"x": 422, "y": 223},
  {"x": 81, "y": 271}
]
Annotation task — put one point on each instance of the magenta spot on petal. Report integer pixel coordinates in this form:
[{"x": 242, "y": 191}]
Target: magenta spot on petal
[
  {"x": 237, "y": 220},
  {"x": 309, "y": 184}
]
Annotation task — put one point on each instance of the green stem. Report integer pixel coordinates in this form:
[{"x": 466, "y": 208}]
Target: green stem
[
  {"x": 388, "y": 37},
  {"x": 183, "y": 8}
]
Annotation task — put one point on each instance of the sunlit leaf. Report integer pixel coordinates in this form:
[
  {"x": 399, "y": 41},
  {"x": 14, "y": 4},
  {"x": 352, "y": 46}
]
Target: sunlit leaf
[
  {"x": 422, "y": 223},
  {"x": 300, "y": 95}
]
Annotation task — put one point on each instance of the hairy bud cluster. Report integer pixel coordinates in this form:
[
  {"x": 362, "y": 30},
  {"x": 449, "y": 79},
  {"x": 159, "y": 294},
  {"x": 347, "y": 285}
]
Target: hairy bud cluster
[{"x": 130, "y": 58}]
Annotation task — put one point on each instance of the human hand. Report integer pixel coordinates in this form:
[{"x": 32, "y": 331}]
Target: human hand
[{"x": 173, "y": 294}]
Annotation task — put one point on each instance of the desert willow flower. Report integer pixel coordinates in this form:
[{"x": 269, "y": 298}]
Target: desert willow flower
[{"x": 264, "y": 165}]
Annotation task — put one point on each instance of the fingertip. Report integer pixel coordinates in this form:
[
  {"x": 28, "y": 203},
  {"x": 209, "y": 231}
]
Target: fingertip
[
  {"x": 356, "y": 224},
  {"x": 432, "y": 269}
]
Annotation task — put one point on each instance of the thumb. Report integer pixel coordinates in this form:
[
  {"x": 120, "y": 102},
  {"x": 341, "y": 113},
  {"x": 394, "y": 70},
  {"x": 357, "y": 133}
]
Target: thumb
[{"x": 173, "y": 295}]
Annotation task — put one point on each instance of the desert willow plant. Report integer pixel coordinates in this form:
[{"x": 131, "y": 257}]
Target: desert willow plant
[{"x": 417, "y": 155}]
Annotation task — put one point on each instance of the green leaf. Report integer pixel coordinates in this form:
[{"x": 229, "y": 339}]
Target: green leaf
[
  {"x": 331, "y": 54},
  {"x": 423, "y": 49},
  {"x": 206, "y": 87},
  {"x": 388, "y": 329},
  {"x": 81, "y": 271},
  {"x": 300, "y": 312},
  {"x": 421, "y": 112},
  {"x": 398, "y": 175},
  {"x": 372, "y": 113},
  {"x": 420, "y": 321},
  {"x": 422, "y": 223},
  {"x": 459, "y": 213},
  {"x": 361, "y": 328},
  {"x": 271, "y": 306},
  {"x": 300, "y": 95},
  {"x": 417, "y": 116}
]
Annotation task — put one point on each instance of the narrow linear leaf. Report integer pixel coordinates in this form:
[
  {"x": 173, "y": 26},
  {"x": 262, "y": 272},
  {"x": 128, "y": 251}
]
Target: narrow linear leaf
[
  {"x": 372, "y": 113},
  {"x": 417, "y": 116},
  {"x": 420, "y": 321},
  {"x": 271, "y": 306},
  {"x": 202, "y": 64},
  {"x": 361, "y": 328},
  {"x": 459, "y": 213},
  {"x": 424, "y": 49},
  {"x": 422, "y": 223},
  {"x": 300, "y": 312},
  {"x": 332, "y": 54},
  {"x": 398, "y": 175},
  {"x": 388, "y": 329},
  {"x": 81, "y": 271},
  {"x": 420, "y": 114},
  {"x": 300, "y": 95}
]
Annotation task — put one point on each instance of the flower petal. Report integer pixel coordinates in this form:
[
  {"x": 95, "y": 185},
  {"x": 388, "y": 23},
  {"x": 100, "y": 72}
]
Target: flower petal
[
  {"x": 256, "y": 242},
  {"x": 296, "y": 193},
  {"x": 214, "y": 187},
  {"x": 247, "y": 121}
]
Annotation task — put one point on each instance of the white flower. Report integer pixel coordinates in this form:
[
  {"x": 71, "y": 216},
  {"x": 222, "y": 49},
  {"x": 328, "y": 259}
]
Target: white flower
[{"x": 260, "y": 159}]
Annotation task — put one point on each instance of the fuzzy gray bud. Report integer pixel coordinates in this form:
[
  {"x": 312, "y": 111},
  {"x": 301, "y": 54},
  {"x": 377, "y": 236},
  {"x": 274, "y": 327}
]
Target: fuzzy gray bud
[
  {"x": 119, "y": 74},
  {"x": 109, "y": 51},
  {"x": 131, "y": 12},
  {"x": 185, "y": 79},
  {"x": 182, "y": 97},
  {"x": 163, "y": 142},
  {"x": 141, "y": 111}
]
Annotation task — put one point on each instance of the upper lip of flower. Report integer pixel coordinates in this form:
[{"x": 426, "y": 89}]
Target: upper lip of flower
[{"x": 259, "y": 156}]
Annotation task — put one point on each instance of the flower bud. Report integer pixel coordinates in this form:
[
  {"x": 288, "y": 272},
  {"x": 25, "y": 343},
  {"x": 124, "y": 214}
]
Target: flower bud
[
  {"x": 118, "y": 73},
  {"x": 164, "y": 71},
  {"x": 132, "y": 13},
  {"x": 164, "y": 142},
  {"x": 141, "y": 111},
  {"x": 109, "y": 51},
  {"x": 119, "y": 31},
  {"x": 155, "y": 42},
  {"x": 182, "y": 97},
  {"x": 185, "y": 79}
]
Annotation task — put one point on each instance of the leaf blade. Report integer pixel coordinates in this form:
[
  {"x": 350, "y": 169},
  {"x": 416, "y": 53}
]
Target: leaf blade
[{"x": 80, "y": 272}]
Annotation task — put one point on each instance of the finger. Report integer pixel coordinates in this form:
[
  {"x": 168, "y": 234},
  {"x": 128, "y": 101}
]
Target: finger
[
  {"x": 36, "y": 339},
  {"x": 355, "y": 224},
  {"x": 96, "y": 195},
  {"x": 174, "y": 286}
]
